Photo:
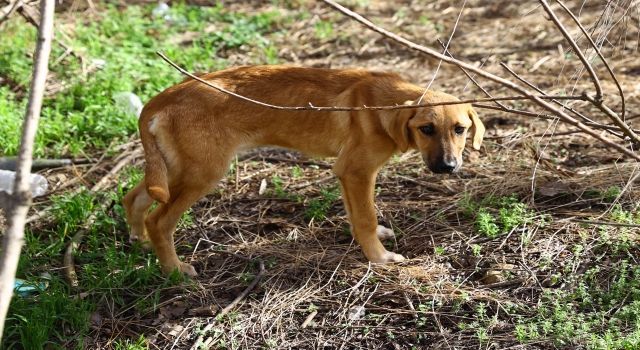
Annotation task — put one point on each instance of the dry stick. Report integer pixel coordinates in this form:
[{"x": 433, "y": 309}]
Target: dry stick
[
  {"x": 69, "y": 270},
  {"x": 607, "y": 223},
  {"x": 13, "y": 8},
  {"x": 611, "y": 114},
  {"x": 551, "y": 117},
  {"x": 521, "y": 112},
  {"x": 569, "y": 108},
  {"x": 595, "y": 48},
  {"x": 17, "y": 205},
  {"x": 575, "y": 47},
  {"x": 311, "y": 107},
  {"x": 539, "y": 101},
  {"x": 309, "y": 319},
  {"x": 242, "y": 295},
  {"x": 504, "y": 108}
]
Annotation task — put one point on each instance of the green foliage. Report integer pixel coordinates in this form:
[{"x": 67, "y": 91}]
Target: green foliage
[
  {"x": 34, "y": 322},
  {"x": 280, "y": 192},
  {"x": 324, "y": 29},
  {"x": 318, "y": 208},
  {"x": 511, "y": 214}
]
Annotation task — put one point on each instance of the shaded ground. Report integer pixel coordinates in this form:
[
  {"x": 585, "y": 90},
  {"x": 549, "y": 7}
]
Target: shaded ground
[{"x": 462, "y": 287}]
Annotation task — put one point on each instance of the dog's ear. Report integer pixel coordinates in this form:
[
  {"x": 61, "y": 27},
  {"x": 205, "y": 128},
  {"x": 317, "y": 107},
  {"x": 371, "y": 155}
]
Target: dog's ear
[
  {"x": 395, "y": 123},
  {"x": 477, "y": 129}
]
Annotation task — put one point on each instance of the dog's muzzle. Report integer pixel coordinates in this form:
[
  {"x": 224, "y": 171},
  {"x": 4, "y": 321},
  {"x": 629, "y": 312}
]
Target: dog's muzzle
[{"x": 442, "y": 166}]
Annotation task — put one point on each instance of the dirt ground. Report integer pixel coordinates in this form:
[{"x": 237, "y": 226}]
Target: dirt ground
[{"x": 316, "y": 276}]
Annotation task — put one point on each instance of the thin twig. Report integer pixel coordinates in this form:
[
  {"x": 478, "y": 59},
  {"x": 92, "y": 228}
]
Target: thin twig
[
  {"x": 587, "y": 121},
  {"x": 242, "y": 295},
  {"x": 311, "y": 107},
  {"x": 575, "y": 47},
  {"x": 504, "y": 108},
  {"x": 595, "y": 48},
  {"x": 611, "y": 114}
]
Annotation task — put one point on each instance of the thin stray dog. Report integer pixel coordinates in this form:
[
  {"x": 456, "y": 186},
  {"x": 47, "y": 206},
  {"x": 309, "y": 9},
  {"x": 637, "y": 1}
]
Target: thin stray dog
[{"x": 190, "y": 132}]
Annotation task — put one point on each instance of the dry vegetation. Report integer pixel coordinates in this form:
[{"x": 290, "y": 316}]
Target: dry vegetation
[{"x": 468, "y": 284}]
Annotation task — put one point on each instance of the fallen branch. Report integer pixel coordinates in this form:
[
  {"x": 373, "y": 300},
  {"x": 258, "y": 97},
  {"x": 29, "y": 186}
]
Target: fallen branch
[
  {"x": 233, "y": 304},
  {"x": 69, "y": 270},
  {"x": 605, "y": 223}
]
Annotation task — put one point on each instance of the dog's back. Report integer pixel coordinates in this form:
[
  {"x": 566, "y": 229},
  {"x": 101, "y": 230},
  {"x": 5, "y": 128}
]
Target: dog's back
[{"x": 191, "y": 111}]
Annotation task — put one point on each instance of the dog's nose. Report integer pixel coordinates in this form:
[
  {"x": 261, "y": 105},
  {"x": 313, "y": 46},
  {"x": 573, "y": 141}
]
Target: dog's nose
[{"x": 447, "y": 167}]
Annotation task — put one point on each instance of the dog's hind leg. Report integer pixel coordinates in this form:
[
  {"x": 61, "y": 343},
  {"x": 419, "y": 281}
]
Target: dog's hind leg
[
  {"x": 185, "y": 190},
  {"x": 136, "y": 206}
]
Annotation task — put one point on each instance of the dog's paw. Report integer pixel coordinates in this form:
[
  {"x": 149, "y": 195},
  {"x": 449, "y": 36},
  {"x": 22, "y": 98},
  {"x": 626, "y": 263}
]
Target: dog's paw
[
  {"x": 183, "y": 268},
  {"x": 384, "y": 233},
  {"x": 391, "y": 257},
  {"x": 188, "y": 270},
  {"x": 388, "y": 257},
  {"x": 145, "y": 244}
]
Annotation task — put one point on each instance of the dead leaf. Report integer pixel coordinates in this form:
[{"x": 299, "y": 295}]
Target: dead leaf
[
  {"x": 96, "y": 319},
  {"x": 209, "y": 310},
  {"x": 498, "y": 275},
  {"x": 554, "y": 188}
]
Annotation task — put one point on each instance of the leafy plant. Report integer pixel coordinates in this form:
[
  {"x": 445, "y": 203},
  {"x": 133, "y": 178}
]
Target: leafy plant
[{"x": 318, "y": 207}]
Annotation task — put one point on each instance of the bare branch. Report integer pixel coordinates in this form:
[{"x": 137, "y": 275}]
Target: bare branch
[
  {"x": 595, "y": 48},
  {"x": 504, "y": 108},
  {"x": 569, "y": 108},
  {"x": 311, "y": 107},
  {"x": 561, "y": 114},
  {"x": 19, "y": 202},
  {"x": 611, "y": 114},
  {"x": 575, "y": 47}
]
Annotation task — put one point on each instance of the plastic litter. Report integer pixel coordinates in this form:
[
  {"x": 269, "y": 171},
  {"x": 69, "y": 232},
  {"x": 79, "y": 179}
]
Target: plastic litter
[
  {"x": 129, "y": 101},
  {"x": 161, "y": 10},
  {"x": 38, "y": 183},
  {"x": 24, "y": 288}
]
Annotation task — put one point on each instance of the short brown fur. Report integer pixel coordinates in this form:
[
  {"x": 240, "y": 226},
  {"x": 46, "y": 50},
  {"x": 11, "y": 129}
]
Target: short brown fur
[{"x": 190, "y": 132}]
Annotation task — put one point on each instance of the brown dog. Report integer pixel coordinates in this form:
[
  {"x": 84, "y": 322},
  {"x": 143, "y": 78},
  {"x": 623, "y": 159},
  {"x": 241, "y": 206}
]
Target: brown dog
[{"x": 190, "y": 132}]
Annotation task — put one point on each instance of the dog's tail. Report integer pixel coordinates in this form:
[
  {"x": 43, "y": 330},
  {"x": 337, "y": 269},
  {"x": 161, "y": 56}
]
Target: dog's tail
[{"x": 156, "y": 168}]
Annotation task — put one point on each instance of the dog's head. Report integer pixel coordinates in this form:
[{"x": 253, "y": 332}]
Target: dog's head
[{"x": 439, "y": 132}]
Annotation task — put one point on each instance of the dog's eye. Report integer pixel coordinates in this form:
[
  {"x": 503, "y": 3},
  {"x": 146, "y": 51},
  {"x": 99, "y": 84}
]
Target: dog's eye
[
  {"x": 459, "y": 130},
  {"x": 428, "y": 130}
]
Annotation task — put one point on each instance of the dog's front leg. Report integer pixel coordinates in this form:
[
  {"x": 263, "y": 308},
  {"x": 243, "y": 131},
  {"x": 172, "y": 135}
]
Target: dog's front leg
[{"x": 357, "y": 192}]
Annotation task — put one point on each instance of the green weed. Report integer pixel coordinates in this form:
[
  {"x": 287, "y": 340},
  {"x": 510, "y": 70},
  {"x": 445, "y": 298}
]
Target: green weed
[
  {"x": 511, "y": 213},
  {"x": 318, "y": 208},
  {"x": 324, "y": 29}
]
